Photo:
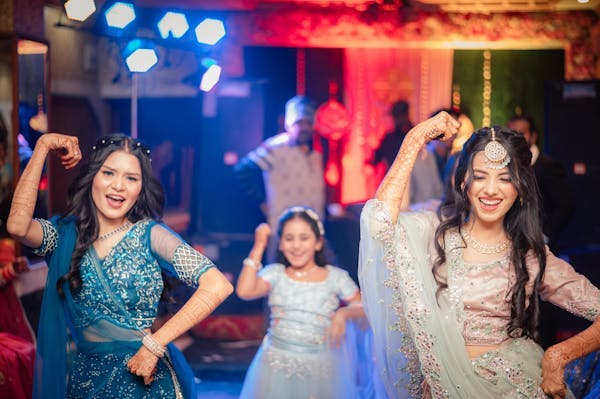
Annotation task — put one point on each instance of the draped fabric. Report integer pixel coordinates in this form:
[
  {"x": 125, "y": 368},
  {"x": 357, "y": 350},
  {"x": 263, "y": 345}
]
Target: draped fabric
[
  {"x": 373, "y": 80},
  {"x": 417, "y": 335},
  {"x": 83, "y": 344}
]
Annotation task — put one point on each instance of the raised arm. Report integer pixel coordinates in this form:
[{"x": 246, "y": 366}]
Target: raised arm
[
  {"x": 249, "y": 285},
  {"x": 393, "y": 188},
  {"x": 20, "y": 220}
]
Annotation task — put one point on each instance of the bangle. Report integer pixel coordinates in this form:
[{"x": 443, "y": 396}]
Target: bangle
[
  {"x": 251, "y": 263},
  {"x": 153, "y": 346}
]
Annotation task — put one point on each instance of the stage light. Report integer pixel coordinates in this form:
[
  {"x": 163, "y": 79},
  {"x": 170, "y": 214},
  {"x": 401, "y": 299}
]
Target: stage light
[
  {"x": 173, "y": 23},
  {"x": 119, "y": 15},
  {"x": 211, "y": 75},
  {"x": 140, "y": 55},
  {"x": 79, "y": 10},
  {"x": 210, "y": 31}
]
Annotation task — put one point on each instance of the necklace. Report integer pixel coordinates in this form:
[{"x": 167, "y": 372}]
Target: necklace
[
  {"x": 112, "y": 233},
  {"x": 304, "y": 273},
  {"x": 485, "y": 249}
]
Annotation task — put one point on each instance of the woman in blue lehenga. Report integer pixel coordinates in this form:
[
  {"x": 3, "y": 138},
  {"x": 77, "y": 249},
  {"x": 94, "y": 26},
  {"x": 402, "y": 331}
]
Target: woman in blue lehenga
[{"x": 105, "y": 258}]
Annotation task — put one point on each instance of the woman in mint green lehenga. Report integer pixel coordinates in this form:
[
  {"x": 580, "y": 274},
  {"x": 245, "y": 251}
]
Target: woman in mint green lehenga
[
  {"x": 453, "y": 297},
  {"x": 105, "y": 257}
]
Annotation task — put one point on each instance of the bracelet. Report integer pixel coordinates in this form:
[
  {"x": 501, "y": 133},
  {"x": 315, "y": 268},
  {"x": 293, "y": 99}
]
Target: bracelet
[
  {"x": 251, "y": 263},
  {"x": 150, "y": 343}
]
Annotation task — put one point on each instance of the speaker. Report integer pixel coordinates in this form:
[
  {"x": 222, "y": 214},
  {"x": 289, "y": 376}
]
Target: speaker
[{"x": 572, "y": 136}]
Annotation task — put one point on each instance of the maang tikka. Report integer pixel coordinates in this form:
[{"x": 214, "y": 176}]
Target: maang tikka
[{"x": 496, "y": 156}]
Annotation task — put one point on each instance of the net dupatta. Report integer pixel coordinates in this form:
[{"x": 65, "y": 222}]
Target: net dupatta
[
  {"x": 416, "y": 335},
  {"x": 50, "y": 375}
]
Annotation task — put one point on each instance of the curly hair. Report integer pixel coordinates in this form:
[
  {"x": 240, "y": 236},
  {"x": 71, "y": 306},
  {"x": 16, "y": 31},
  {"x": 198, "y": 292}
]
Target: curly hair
[
  {"x": 522, "y": 222},
  {"x": 309, "y": 216},
  {"x": 80, "y": 204}
]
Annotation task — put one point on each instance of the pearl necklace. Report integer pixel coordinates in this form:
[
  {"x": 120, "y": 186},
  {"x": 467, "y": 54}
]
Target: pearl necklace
[
  {"x": 485, "y": 249},
  {"x": 112, "y": 233},
  {"x": 304, "y": 273}
]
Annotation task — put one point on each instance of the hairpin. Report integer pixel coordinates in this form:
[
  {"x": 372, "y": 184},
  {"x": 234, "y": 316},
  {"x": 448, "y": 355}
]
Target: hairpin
[{"x": 496, "y": 156}]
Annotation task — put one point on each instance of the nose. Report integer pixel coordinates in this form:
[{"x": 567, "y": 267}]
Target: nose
[
  {"x": 118, "y": 184},
  {"x": 491, "y": 187}
]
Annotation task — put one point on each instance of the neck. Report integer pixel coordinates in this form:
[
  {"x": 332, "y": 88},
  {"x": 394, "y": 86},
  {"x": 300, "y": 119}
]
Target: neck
[{"x": 486, "y": 232}]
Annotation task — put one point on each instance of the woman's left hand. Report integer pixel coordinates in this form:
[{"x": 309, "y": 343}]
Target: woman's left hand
[
  {"x": 553, "y": 382},
  {"x": 337, "y": 329},
  {"x": 143, "y": 364}
]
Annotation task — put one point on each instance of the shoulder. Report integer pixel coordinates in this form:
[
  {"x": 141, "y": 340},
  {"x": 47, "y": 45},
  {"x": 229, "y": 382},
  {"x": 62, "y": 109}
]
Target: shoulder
[{"x": 280, "y": 140}]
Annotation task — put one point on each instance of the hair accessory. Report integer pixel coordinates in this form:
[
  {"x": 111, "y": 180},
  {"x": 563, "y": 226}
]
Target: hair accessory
[
  {"x": 153, "y": 346},
  {"x": 496, "y": 156},
  {"x": 312, "y": 214}
]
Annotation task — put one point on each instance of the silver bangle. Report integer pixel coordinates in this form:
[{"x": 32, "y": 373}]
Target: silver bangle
[
  {"x": 251, "y": 263},
  {"x": 153, "y": 346}
]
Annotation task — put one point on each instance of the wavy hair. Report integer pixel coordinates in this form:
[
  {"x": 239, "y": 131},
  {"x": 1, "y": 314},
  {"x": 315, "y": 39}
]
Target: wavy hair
[
  {"x": 80, "y": 204},
  {"x": 312, "y": 218},
  {"x": 522, "y": 222}
]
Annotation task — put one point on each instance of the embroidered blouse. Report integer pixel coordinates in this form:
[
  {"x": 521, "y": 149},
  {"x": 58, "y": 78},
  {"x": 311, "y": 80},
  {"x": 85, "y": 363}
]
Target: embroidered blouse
[
  {"x": 301, "y": 311},
  {"x": 133, "y": 269}
]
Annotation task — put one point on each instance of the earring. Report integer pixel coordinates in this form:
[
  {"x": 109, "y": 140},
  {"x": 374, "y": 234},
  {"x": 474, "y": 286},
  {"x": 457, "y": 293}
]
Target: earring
[{"x": 521, "y": 201}]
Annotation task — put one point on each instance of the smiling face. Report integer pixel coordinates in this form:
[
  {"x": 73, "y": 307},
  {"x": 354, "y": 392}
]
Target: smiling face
[
  {"x": 491, "y": 193},
  {"x": 116, "y": 187},
  {"x": 299, "y": 243}
]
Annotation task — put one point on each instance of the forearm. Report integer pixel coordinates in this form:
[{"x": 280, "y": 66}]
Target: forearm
[
  {"x": 246, "y": 287},
  {"x": 25, "y": 195},
  {"x": 577, "y": 346},
  {"x": 353, "y": 311},
  {"x": 212, "y": 291},
  {"x": 393, "y": 190}
]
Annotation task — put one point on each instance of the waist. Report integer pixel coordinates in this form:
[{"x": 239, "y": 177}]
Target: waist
[{"x": 475, "y": 351}]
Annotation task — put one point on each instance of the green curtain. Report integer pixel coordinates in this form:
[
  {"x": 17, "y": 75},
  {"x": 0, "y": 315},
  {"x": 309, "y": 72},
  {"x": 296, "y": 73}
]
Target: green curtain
[{"x": 518, "y": 78}]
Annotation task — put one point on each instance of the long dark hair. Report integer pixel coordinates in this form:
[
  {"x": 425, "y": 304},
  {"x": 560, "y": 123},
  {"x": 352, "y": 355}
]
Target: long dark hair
[
  {"x": 309, "y": 216},
  {"x": 522, "y": 222},
  {"x": 80, "y": 204}
]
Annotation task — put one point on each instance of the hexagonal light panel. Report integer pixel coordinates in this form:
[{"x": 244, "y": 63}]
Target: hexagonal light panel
[
  {"x": 174, "y": 24},
  {"x": 119, "y": 15},
  {"x": 210, "y": 31},
  {"x": 140, "y": 55},
  {"x": 79, "y": 10}
]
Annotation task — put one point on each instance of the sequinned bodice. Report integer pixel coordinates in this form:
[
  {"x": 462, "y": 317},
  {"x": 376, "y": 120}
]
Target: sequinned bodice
[{"x": 301, "y": 311}]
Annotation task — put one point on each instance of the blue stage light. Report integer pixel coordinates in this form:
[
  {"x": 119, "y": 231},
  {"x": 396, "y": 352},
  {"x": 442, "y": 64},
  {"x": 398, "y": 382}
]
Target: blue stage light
[
  {"x": 211, "y": 75},
  {"x": 140, "y": 55},
  {"x": 79, "y": 10},
  {"x": 119, "y": 15},
  {"x": 173, "y": 23},
  {"x": 210, "y": 31}
]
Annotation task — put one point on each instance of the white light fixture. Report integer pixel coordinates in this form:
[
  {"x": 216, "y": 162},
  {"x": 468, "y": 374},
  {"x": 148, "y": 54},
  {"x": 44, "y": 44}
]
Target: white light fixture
[
  {"x": 79, "y": 10},
  {"x": 119, "y": 15},
  {"x": 174, "y": 24},
  {"x": 210, "y": 31}
]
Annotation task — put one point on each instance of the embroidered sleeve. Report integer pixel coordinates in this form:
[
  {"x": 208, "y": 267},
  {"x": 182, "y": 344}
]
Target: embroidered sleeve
[
  {"x": 177, "y": 257},
  {"x": 50, "y": 237},
  {"x": 346, "y": 287},
  {"x": 566, "y": 288},
  {"x": 272, "y": 273}
]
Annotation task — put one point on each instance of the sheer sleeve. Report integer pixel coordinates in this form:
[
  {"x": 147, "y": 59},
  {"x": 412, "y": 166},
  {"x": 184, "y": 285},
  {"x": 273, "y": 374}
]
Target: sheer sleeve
[
  {"x": 415, "y": 337},
  {"x": 177, "y": 257},
  {"x": 566, "y": 288},
  {"x": 49, "y": 239}
]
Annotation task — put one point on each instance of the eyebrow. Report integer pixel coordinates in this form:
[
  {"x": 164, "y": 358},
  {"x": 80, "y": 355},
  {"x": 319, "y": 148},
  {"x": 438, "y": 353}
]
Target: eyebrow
[
  {"x": 476, "y": 170},
  {"x": 128, "y": 173}
]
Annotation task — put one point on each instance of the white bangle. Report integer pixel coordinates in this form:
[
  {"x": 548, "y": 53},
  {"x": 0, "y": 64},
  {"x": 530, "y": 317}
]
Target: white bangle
[
  {"x": 153, "y": 346},
  {"x": 251, "y": 263}
]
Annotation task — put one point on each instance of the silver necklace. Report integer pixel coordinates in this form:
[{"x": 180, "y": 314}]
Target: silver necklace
[
  {"x": 304, "y": 273},
  {"x": 117, "y": 230},
  {"x": 485, "y": 249}
]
